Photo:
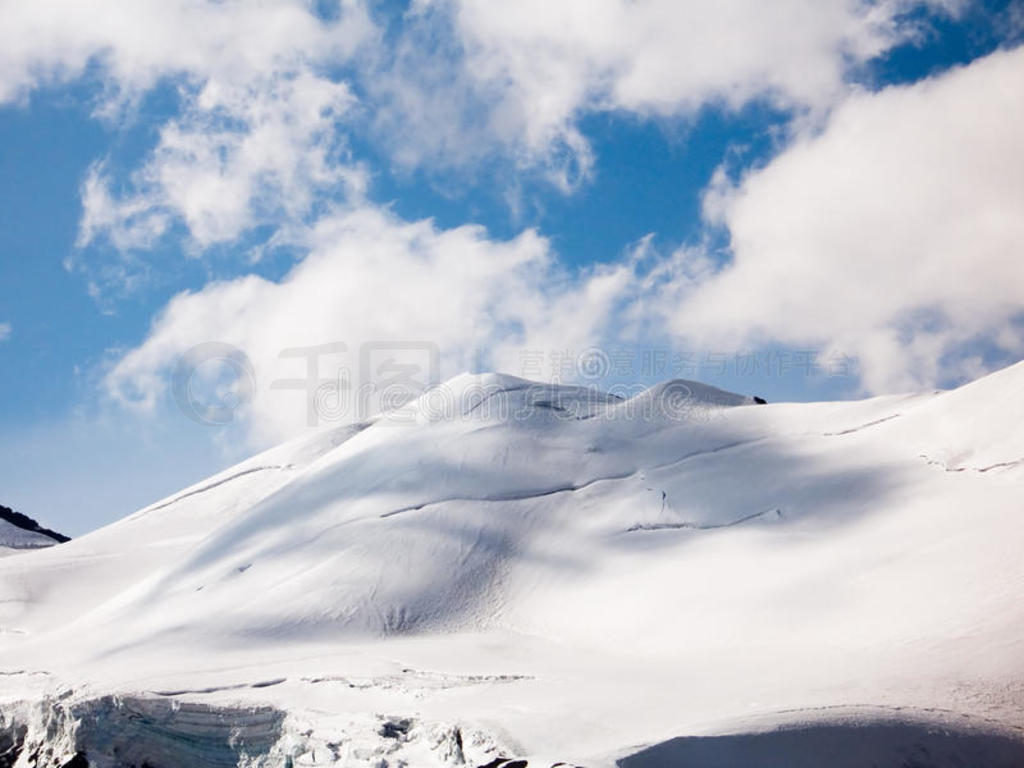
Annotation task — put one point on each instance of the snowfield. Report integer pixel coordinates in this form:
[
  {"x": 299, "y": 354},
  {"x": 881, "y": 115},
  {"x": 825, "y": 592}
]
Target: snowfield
[{"x": 503, "y": 569}]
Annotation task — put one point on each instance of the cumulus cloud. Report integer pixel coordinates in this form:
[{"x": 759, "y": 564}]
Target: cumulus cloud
[
  {"x": 269, "y": 92},
  {"x": 891, "y": 231},
  {"x": 256, "y": 135},
  {"x": 371, "y": 277},
  {"x": 241, "y": 154},
  {"x": 535, "y": 67},
  {"x": 895, "y": 234}
]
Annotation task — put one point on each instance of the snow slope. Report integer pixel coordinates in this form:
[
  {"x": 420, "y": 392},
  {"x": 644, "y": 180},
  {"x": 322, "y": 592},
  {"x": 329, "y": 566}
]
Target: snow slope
[{"x": 559, "y": 574}]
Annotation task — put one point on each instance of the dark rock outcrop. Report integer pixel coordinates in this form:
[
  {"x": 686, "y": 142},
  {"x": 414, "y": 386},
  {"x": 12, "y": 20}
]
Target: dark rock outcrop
[{"x": 28, "y": 524}]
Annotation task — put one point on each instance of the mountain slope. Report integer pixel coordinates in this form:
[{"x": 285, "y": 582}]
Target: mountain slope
[
  {"x": 20, "y": 532},
  {"x": 570, "y": 572}
]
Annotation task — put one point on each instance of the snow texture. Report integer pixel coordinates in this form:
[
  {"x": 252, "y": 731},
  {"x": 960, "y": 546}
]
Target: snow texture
[{"x": 503, "y": 569}]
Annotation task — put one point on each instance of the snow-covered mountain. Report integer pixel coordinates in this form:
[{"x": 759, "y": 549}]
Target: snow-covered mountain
[
  {"x": 507, "y": 569},
  {"x": 20, "y": 532}
]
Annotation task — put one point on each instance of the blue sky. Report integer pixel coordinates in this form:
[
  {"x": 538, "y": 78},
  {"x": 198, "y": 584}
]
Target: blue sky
[{"x": 430, "y": 113}]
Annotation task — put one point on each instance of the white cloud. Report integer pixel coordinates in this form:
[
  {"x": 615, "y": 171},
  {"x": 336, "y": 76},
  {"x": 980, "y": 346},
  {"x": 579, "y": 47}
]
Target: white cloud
[
  {"x": 132, "y": 46},
  {"x": 266, "y": 90},
  {"x": 256, "y": 137},
  {"x": 372, "y": 277},
  {"x": 241, "y": 154},
  {"x": 5, "y": 331},
  {"x": 892, "y": 233},
  {"x": 533, "y": 68},
  {"x": 895, "y": 235}
]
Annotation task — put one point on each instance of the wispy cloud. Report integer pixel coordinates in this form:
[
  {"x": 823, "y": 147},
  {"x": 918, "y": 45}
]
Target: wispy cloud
[
  {"x": 257, "y": 134},
  {"x": 239, "y": 155},
  {"x": 5, "y": 331}
]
